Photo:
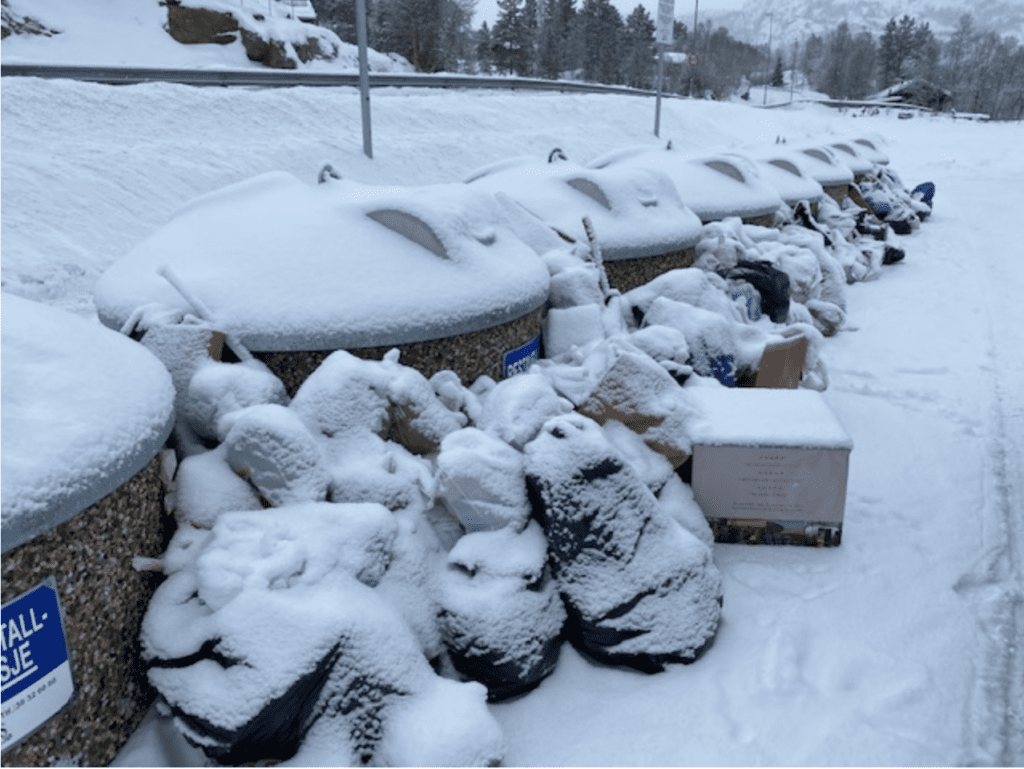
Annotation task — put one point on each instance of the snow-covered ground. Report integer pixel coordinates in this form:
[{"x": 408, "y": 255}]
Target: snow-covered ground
[{"x": 902, "y": 645}]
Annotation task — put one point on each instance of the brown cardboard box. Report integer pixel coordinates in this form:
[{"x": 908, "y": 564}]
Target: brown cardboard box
[
  {"x": 769, "y": 465},
  {"x": 640, "y": 393},
  {"x": 782, "y": 363}
]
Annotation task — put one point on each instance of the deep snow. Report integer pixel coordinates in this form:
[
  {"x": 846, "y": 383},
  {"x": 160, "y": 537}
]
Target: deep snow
[{"x": 901, "y": 646}]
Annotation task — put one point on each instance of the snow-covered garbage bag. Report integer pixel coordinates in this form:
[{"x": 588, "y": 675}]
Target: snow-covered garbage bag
[
  {"x": 481, "y": 481},
  {"x": 639, "y": 589},
  {"x": 501, "y": 613},
  {"x": 269, "y": 640}
]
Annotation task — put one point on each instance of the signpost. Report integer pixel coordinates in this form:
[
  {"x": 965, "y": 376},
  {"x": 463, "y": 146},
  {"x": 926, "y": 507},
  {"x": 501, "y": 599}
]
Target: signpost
[
  {"x": 364, "y": 77},
  {"x": 662, "y": 37},
  {"x": 35, "y": 671}
]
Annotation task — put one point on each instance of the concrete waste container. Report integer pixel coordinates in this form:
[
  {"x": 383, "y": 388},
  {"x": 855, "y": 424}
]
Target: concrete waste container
[
  {"x": 789, "y": 177},
  {"x": 713, "y": 186},
  {"x": 85, "y": 414},
  {"x": 871, "y": 148},
  {"x": 822, "y": 165},
  {"x": 295, "y": 271},
  {"x": 850, "y": 154},
  {"x": 641, "y": 226}
]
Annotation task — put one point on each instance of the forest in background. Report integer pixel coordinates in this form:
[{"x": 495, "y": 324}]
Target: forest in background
[{"x": 982, "y": 71}]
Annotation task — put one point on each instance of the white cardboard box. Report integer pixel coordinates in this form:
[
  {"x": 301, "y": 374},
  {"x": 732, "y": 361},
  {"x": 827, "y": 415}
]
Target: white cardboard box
[{"x": 769, "y": 466}]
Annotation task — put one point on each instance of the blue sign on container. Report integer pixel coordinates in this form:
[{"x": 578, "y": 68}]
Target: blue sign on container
[
  {"x": 521, "y": 358},
  {"x": 35, "y": 671}
]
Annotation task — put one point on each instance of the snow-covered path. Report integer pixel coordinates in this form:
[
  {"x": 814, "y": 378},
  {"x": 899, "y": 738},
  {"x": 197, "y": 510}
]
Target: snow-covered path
[{"x": 901, "y": 646}]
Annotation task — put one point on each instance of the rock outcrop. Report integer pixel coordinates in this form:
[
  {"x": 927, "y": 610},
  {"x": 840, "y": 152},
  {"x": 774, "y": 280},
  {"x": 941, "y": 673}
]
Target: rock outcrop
[
  {"x": 191, "y": 26},
  {"x": 263, "y": 43},
  {"x": 15, "y": 24}
]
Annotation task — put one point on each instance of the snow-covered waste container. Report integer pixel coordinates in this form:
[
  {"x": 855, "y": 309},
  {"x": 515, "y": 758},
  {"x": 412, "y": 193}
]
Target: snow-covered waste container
[
  {"x": 642, "y": 228},
  {"x": 295, "y": 271},
  {"x": 871, "y": 147},
  {"x": 85, "y": 414},
  {"x": 714, "y": 186},
  {"x": 789, "y": 177},
  {"x": 769, "y": 465},
  {"x": 855, "y": 157},
  {"x": 820, "y": 163}
]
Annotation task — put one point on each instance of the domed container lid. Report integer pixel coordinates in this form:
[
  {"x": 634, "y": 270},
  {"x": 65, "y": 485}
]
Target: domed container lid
[
  {"x": 819, "y": 162},
  {"x": 84, "y": 409},
  {"x": 850, "y": 154},
  {"x": 871, "y": 148},
  {"x": 789, "y": 177},
  {"x": 635, "y": 212},
  {"x": 713, "y": 186},
  {"x": 287, "y": 266}
]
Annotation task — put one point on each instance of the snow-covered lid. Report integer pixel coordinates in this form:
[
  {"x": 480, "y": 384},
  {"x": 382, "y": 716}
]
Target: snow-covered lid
[
  {"x": 790, "y": 179},
  {"x": 84, "y": 409},
  {"x": 635, "y": 212},
  {"x": 852, "y": 155},
  {"x": 819, "y": 162},
  {"x": 762, "y": 416},
  {"x": 287, "y": 266},
  {"x": 871, "y": 148},
  {"x": 713, "y": 186}
]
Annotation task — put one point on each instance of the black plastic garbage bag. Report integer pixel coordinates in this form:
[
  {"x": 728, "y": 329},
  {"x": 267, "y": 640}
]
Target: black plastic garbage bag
[
  {"x": 639, "y": 589},
  {"x": 501, "y": 614},
  {"x": 771, "y": 283}
]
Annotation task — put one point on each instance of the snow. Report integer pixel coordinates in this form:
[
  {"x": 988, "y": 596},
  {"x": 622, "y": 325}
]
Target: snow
[
  {"x": 900, "y": 647},
  {"x": 121, "y": 33},
  {"x": 85, "y": 409},
  {"x": 764, "y": 417},
  {"x": 635, "y": 212},
  {"x": 822, "y": 164},
  {"x": 788, "y": 179},
  {"x": 451, "y": 264},
  {"x": 712, "y": 185}
]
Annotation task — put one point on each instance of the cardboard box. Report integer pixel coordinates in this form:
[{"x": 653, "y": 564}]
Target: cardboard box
[
  {"x": 782, "y": 363},
  {"x": 769, "y": 466}
]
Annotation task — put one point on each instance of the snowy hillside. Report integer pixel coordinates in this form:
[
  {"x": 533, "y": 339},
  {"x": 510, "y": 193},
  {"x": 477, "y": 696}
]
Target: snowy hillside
[
  {"x": 899, "y": 647},
  {"x": 794, "y": 20},
  {"x": 132, "y": 33}
]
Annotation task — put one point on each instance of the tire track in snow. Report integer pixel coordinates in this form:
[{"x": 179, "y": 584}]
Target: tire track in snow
[{"x": 996, "y": 712}]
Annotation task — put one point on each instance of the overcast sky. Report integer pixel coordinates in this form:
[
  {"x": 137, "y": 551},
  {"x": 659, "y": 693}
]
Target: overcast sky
[{"x": 487, "y": 10}]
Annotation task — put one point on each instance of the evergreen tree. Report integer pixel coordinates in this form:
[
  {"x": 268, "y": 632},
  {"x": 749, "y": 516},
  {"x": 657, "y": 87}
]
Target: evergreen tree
[
  {"x": 924, "y": 53},
  {"x": 814, "y": 51},
  {"x": 484, "y": 56},
  {"x": 602, "y": 29},
  {"x": 639, "y": 53},
  {"x": 778, "y": 75},
  {"x": 531, "y": 32},
  {"x": 509, "y": 38}
]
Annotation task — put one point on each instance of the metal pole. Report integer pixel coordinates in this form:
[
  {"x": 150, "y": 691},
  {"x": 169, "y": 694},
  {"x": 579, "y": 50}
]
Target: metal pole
[
  {"x": 364, "y": 77},
  {"x": 693, "y": 48},
  {"x": 792, "y": 72},
  {"x": 768, "y": 72},
  {"x": 657, "y": 103}
]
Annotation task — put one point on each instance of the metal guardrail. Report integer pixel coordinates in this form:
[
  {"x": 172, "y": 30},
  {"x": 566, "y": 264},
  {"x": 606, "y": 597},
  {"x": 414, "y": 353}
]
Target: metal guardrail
[{"x": 292, "y": 78}]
